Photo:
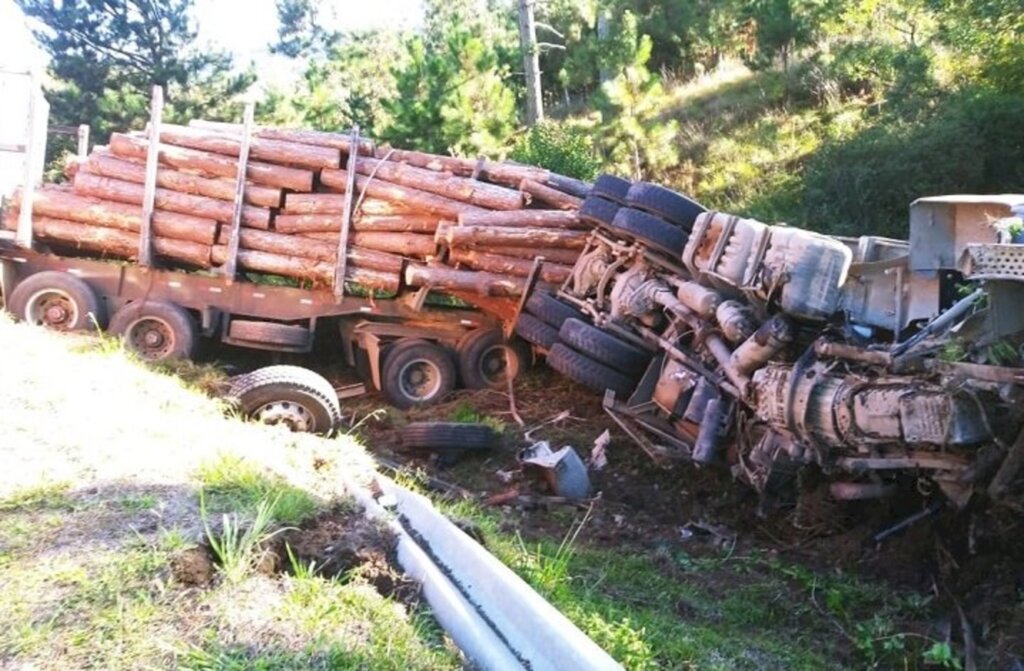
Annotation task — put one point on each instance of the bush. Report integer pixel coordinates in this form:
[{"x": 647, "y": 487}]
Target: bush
[{"x": 559, "y": 148}]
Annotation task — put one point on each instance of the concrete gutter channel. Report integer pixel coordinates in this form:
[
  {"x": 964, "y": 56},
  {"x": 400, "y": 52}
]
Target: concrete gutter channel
[{"x": 495, "y": 618}]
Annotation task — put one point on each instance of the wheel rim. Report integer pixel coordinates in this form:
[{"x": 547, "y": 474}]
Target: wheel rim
[
  {"x": 52, "y": 308},
  {"x": 419, "y": 380},
  {"x": 295, "y": 416},
  {"x": 493, "y": 365},
  {"x": 151, "y": 338}
]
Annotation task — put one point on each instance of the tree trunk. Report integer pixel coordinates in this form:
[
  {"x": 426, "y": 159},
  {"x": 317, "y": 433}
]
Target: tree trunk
[
  {"x": 501, "y": 173},
  {"x": 423, "y": 201},
  {"x": 64, "y": 204},
  {"x": 457, "y": 188},
  {"x": 527, "y": 219},
  {"x": 446, "y": 279},
  {"x": 565, "y": 257},
  {"x": 549, "y": 196},
  {"x": 102, "y": 163},
  {"x": 505, "y": 265},
  {"x": 531, "y": 63},
  {"x": 172, "y": 201},
  {"x": 115, "y": 242},
  {"x": 473, "y": 236},
  {"x": 406, "y": 244},
  {"x": 268, "y": 174},
  {"x": 271, "y": 151},
  {"x": 320, "y": 272},
  {"x": 322, "y": 223},
  {"x": 339, "y": 141}
]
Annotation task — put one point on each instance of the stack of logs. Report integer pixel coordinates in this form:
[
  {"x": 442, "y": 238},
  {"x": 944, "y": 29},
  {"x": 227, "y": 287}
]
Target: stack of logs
[{"x": 419, "y": 220}]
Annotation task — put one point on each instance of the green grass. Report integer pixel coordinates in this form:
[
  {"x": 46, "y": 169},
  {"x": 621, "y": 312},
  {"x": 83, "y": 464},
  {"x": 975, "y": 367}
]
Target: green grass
[
  {"x": 230, "y": 482},
  {"x": 42, "y": 495}
]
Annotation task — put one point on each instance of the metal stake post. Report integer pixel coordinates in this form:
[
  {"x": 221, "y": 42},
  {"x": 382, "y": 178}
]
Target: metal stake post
[
  {"x": 24, "y": 236},
  {"x": 152, "y": 161},
  {"x": 346, "y": 216},
  {"x": 83, "y": 141},
  {"x": 231, "y": 266}
]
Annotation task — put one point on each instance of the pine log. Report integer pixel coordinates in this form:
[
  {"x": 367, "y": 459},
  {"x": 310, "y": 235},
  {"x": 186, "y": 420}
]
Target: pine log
[
  {"x": 312, "y": 248},
  {"x": 115, "y": 242},
  {"x": 501, "y": 173},
  {"x": 406, "y": 244},
  {"x": 565, "y": 257},
  {"x": 107, "y": 165},
  {"x": 423, "y": 201},
  {"x": 271, "y": 151},
  {"x": 171, "y": 201},
  {"x": 443, "y": 184},
  {"x": 496, "y": 236},
  {"x": 268, "y": 174},
  {"x": 375, "y": 207},
  {"x": 67, "y": 205},
  {"x": 299, "y": 268},
  {"x": 505, "y": 265},
  {"x": 446, "y": 279},
  {"x": 549, "y": 196},
  {"x": 527, "y": 219},
  {"x": 339, "y": 141},
  {"x": 314, "y": 203},
  {"x": 322, "y": 223}
]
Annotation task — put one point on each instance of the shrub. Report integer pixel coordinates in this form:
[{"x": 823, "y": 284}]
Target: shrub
[{"x": 560, "y": 148}]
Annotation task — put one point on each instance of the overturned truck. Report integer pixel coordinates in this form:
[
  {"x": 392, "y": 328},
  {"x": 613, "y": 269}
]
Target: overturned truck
[{"x": 720, "y": 339}]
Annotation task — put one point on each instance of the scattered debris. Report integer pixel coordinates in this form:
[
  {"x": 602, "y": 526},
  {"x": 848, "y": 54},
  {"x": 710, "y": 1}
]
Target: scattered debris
[
  {"x": 564, "y": 471},
  {"x": 598, "y": 455}
]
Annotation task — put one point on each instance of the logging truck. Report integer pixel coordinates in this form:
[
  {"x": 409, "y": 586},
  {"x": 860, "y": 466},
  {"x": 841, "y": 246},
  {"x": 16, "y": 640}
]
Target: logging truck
[{"x": 258, "y": 238}]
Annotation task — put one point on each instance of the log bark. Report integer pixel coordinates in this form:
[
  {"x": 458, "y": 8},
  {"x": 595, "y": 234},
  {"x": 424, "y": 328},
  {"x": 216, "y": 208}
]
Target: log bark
[
  {"x": 496, "y": 236},
  {"x": 527, "y": 219},
  {"x": 171, "y": 201},
  {"x": 271, "y": 151},
  {"x": 501, "y": 173},
  {"x": 339, "y": 141},
  {"x": 299, "y": 268},
  {"x": 446, "y": 279},
  {"x": 267, "y": 174},
  {"x": 311, "y": 248},
  {"x": 549, "y": 196},
  {"x": 67, "y": 205},
  {"x": 322, "y": 223},
  {"x": 565, "y": 257},
  {"x": 116, "y": 242},
  {"x": 422, "y": 201},
  {"x": 505, "y": 265},
  {"x": 375, "y": 207},
  {"x": 462, "y": 189},
  {"x": 406, "y": 244},
  {"x": 314, "y": 203},
  {"x": 107, "y": 165}
]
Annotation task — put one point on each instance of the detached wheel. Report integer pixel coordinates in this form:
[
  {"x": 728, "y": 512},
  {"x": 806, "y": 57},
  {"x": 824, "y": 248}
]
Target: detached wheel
[
  {"x": 417, "y": 372},
  {"x": 156, "y": 330},
  {"x": 291, "y": 396},
  {"x": 449, "y": 436},
  {"x": 604, "y": 347},
  {"x": 58, "y": 301},
  {"x": 654, "y": 232},
  {"x": 665, "y": 203},
  {"x": 588, "y": 372},
  {"x": 486, "y": 361}
]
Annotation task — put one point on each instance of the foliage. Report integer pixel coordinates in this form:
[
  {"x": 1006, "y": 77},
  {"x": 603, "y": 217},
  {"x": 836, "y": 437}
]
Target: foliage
[
  {"x": 559, "y": 147},
  {"x": 105, "y": 57},
  {"x": 232, "y": 483},
  {"x": 301, "y": 28},
  {"x": 239, "y": 544}
]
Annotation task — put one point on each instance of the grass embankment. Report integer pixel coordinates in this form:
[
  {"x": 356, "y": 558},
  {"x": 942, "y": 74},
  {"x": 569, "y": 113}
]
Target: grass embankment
[{"x": 106, "y": 464}]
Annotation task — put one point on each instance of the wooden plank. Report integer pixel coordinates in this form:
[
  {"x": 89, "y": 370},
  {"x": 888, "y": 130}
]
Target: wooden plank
[
  {"x": 231, "y": 266},
  {"x": 152, "y": 161},
  {"x": 346, "y": 217}
]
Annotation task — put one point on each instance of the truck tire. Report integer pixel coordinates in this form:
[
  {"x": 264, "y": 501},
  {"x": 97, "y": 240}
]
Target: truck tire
[
  {"x": 58, "y": 301},
  {"x": 449, "y": 436},
  {"x": 665, "y": 203},
  {"x": 588, "y": 372},
  {"x": 156, "y": 330},
  {"x": 611, "y": 188},
  {"x": 604, "y": 347},
  {"x": 486, "y": 361},
  {"x": 271, "y": 333},
  {"x": 654, "y": 232},
  {"x": 536, "y": 332},
  {"x": 287, "y": 395},
  {"x": 416, "y": 373},
  {"x": 598, "y": 211},
  {"x": 551, "y": 310}
]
